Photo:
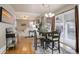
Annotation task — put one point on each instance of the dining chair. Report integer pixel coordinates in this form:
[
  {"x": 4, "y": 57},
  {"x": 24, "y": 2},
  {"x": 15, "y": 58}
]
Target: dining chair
[
  {"x": 39, "y": 36},
  {"x": 42, "y": 39},
  {"x": 54, "y": 38}
]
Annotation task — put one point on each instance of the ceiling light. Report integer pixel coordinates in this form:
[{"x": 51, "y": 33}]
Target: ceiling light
[
  {"x": 25, "y": 17},
  {"x": 46, "y": 15},
  {"x": 49, "y": 14}
]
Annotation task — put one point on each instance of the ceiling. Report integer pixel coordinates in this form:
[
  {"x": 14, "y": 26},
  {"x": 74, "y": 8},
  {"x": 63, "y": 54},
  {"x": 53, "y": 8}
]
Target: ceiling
[
  {"x": 31, "y": 11},
  {"x": 36, "y": 8}
]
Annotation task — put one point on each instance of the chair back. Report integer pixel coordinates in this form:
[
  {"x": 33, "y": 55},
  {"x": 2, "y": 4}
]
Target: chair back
[
  {"x": 53, "y": 35},
  {"x": 42, "y": 34},
  {"x": 56, "y": 34}
]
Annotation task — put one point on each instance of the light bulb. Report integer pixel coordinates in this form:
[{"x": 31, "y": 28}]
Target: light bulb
[
  {"x": 51, "y": 14},
  {"x": 46, "y": 15}
]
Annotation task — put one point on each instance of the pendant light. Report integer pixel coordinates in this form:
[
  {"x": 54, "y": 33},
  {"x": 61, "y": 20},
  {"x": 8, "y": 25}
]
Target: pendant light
[{"x": 49, "y": 13}]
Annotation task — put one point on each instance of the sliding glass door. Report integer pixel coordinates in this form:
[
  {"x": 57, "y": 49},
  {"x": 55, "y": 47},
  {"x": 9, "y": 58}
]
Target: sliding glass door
[
  {"x": 59, "y": 25},
  {"x": 66, "y": 23},
  {"x": 70, "y": 37}
]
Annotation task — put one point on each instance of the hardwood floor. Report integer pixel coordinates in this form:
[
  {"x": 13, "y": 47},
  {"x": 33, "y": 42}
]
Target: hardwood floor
[{"x": 23, "y": 46}]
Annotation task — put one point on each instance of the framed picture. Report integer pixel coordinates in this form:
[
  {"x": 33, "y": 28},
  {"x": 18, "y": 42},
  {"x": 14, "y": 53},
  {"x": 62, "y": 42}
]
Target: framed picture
[{"x": 5, "y": 16}]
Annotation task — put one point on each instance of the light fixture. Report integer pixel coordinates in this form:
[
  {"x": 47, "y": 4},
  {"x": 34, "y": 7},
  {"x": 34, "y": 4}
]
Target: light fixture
[
  {"x": 49, "y": 13},
  {"x": 24, "y": 17},
  {"x": 46, "y": 15}
]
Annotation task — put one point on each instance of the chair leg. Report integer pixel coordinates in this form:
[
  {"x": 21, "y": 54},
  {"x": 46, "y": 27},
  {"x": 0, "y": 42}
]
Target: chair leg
[
  {"x": 45, "y": 45},
  {"x": 59, "y": 46},
  {"x": 42, "y": 43},
  {"x": 52, "y": 46},
  {"x": 35, "y": 44}
]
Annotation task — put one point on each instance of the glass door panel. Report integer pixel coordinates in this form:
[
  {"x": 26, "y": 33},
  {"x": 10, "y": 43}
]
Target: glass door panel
[
  {"x": 65, "y": 22},
  {"x": 69, "y": 18},
  {"x": 59, "y": 25}
]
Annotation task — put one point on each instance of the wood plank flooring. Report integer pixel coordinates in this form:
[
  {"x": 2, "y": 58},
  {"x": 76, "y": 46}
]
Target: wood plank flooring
[{"x": 23, "y": 46}]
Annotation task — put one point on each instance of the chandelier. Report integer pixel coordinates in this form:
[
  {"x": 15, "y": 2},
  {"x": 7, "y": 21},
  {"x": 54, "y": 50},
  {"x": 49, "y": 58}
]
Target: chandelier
[{"x": 49, "y": 13}]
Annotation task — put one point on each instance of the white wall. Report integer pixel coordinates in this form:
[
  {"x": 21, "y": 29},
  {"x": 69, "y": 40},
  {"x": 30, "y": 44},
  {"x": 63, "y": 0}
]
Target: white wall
[{"x": 3, "y": 26}]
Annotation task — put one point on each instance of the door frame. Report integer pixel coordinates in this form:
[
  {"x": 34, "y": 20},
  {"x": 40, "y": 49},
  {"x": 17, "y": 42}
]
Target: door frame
[{"x": 77, "y": 28}]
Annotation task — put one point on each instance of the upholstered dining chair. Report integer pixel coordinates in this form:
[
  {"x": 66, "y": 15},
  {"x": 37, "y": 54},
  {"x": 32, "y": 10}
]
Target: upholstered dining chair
[
  {"x": 39, "y": 36},
  {"x": 54, "y": 38}
]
